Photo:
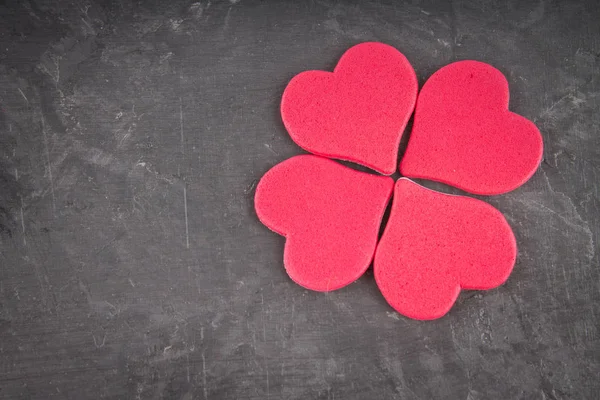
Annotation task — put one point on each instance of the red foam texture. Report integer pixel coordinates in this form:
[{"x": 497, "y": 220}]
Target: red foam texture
[
  {"x": 434, "y": 244},
  {"x": 358, "y": 112},
  {"x": 464, "y": 135},
  {"x": 330, "y": 215}
]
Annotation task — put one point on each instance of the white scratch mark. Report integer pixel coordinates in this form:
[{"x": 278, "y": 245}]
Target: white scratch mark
[
  {"x": 557, "y": 102},
  {"x": 251, "y": 187},
  {"x": 262, "y": 306},
  {"x": 25, "y": 97},
  {"x": 23, "y": 223},
  {"x": 116, "y": 311},
  {"x": 293, "y": 312},
  {"x": 131, "y": 282},
  {"x": 575, "y": 101},
  {"x": 268, "y": 146},
  {"x": 187, "y": 230},
  {"x": 139, "y": 388},
  {"x": 56, "y": 60},
  {"x": 125, "y": 137},
  {"x": 99, "y": 345},
  {"x": 49, "y": 166},
  {"x": 181, "y": 125},
  {"x": 204, "y": 388},
  {"x": 444, "y": 43},
  {"x": 226, "y": 21},
  {"x": 167, "y": 349},
  {"x": 187, "y": 356},
  {"x": 268, "y": 386},
  {"x": 88, "y": 25},
  {"x": 393, "y": 315}
]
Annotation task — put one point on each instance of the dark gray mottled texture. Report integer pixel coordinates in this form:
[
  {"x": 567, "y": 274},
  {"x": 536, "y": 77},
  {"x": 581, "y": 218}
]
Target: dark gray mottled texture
[{"x": 117, "y": 116}]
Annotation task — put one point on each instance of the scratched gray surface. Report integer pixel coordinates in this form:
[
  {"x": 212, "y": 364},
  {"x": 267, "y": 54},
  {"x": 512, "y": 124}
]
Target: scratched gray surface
[{"x": 132, "y": 263}]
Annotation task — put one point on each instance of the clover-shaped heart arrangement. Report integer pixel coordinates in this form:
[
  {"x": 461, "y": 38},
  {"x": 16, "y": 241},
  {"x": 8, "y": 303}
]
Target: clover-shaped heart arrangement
[{"x": 434, "y": 244}]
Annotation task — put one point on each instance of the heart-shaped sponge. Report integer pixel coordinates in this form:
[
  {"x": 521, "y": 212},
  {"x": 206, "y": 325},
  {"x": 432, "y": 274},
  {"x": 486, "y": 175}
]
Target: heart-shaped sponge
[
  {"x": 358, "y": 112},
  {"x": 463, "y": 134},
  {"x": 330, "y": 215},
  {"x": 434, "y": 244}
]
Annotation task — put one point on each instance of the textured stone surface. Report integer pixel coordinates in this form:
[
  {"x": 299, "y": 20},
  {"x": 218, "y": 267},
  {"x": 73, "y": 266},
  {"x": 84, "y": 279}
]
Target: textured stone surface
[{"x": 132, "y": 265}]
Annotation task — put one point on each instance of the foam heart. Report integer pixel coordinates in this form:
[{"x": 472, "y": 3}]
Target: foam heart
[
  {"x": 330, "y": 215},
  {"x": 356, "y": 113},
  {"x": 464, "y": 135},
  {"x": 434, "y": 244}
]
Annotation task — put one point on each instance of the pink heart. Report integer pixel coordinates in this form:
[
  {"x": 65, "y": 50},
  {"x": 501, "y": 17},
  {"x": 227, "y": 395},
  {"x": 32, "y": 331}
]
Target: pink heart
[
  {"x": 330, "y": 215},
  {"x": 465, "y": 136},
  {"x": 434, "y": 244},
  {"x": 356, "y": 113}
]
